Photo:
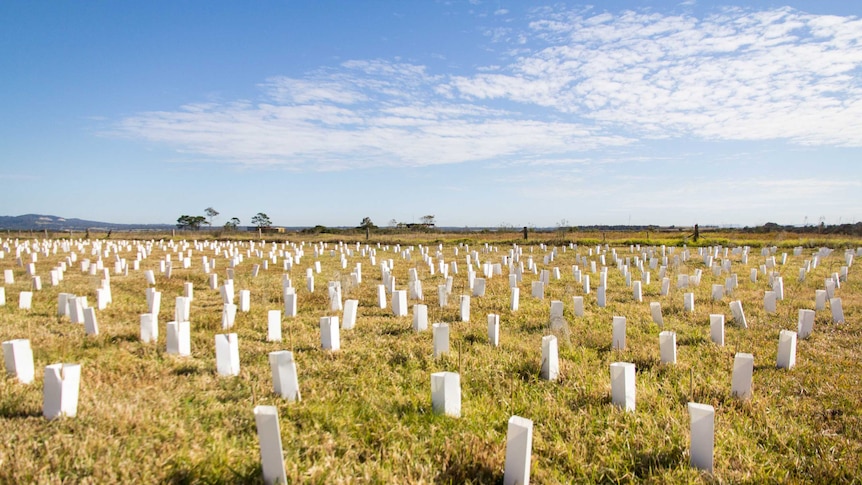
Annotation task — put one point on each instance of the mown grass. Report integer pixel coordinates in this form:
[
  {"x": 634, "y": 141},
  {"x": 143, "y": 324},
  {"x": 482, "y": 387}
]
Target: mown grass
[{"x": 365, "y": 415}]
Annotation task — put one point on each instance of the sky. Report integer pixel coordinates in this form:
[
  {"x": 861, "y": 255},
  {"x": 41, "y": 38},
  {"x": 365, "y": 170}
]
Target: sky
[{"x": 480, "y": 113}]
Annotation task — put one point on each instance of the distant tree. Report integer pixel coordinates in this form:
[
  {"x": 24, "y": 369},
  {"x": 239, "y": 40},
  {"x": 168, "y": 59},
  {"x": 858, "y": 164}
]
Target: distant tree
[
  {"x": 210, "y": 212},
  {"x": 563, "y": 225},
  {"x": 393, "y": 223},
  {"x": 429, "y": 219},
  {"x": 190, "y": 222},
  {"x": 232, "y": 224},
  {"x": 261, "y": 220},
  {"x": 368, "y": 226}
]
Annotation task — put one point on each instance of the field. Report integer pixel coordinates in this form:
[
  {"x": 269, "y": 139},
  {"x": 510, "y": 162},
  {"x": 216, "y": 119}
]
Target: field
[{"x": 365, "y": 416}]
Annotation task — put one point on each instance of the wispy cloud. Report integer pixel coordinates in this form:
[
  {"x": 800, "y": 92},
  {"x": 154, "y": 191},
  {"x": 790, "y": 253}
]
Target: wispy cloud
[
  {"x": 735, "y": 75},
  {"x": 579, "y": 82},
  {"x": 368, "y": 113}
]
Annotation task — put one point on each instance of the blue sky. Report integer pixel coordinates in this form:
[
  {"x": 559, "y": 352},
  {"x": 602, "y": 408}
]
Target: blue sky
[{"x": 482, "y": 113}]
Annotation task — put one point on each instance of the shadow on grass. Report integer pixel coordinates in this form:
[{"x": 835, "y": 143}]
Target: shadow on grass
[
  {"x": 600, "y": 348},
  {"x": 461, "y": 469},
  {"x": 587, "y": 398},
  {"x": 95, "y": 342},
  {"x": 305, "y": 348},
  {"x": 715, "y": 397},
  {"x": 184, "y": 473},
  {"x": 651, "y": 462},
  {"x": 18, "y": 410},
  {"x": 186, "y": 370},
  {"x": 644, "y": 363},
  {"x": 474, "y": 338},
  {"x": 399, "y": 359},
  {"x": 115, "y": 339},
  {"x": 411, "y": 408},
  {"x": 691, "y": 340},
  {"x": 396, "y": 331},
  {"x": 44, "y": 315},
  {"x": 528, "y": 370}
]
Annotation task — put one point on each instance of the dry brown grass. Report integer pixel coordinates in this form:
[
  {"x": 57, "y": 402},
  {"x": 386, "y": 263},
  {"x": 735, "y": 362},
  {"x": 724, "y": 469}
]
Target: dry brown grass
[{"x": 145, "y": 416}]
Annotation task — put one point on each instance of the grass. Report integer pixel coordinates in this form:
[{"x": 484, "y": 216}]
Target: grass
[{"x": 365, "y": 415}]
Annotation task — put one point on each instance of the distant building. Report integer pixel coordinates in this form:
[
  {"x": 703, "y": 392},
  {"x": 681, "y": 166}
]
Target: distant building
[{"x": 266, "y": 230}]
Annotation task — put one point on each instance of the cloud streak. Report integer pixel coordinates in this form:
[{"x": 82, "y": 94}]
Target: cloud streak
[
  {"x": 575, "y": 83},
  {"x": 734, "y": 75}
]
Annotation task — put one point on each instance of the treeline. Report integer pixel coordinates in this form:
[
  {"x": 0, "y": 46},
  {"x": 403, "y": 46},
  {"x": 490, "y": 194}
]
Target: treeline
[
  {"x": 854, "y": 229},
  {"x": 405, "y": 229},
  {"x": 600, "y": 227}
]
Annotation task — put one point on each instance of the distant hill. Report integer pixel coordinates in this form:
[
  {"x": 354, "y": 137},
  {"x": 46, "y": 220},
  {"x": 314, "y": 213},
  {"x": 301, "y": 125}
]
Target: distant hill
[{"x": 40, "y": 222}]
